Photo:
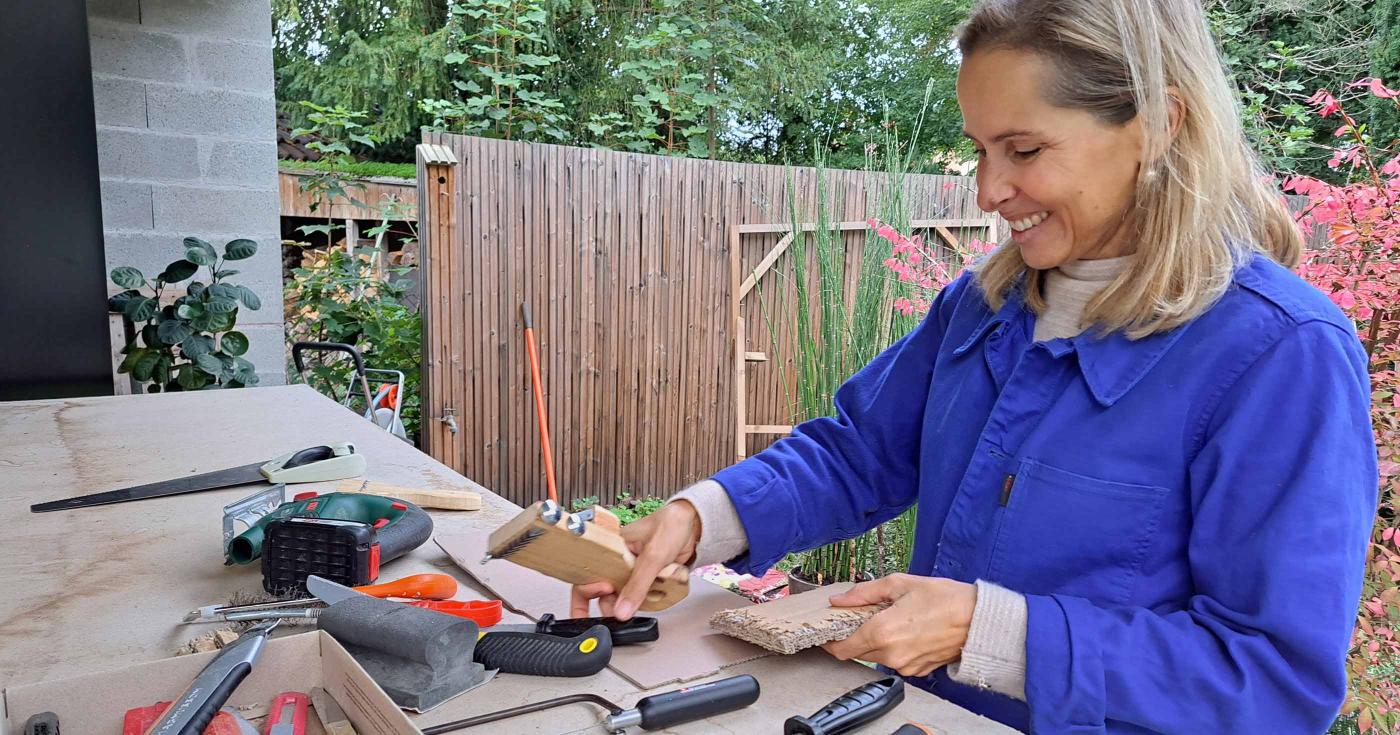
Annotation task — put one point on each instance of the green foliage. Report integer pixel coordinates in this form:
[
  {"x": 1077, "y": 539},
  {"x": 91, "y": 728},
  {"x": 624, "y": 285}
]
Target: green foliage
[
  {"x": 834, "y": 337},
  {"x": 499, "y": 52},
  {"x": 380, "y": 55},
  {"x": 731, "y": 81},
  {"x": 341, "y": 299},
  {"x": 356, "y": 168},
  {"x": 1385, "y": 63},
  {"x": 189, "y": 344},
  {"x": 333, "y": 129},
  {"x": 671, "y": 79},
  {"x": 627, "y": 509},
  {"x": 1280, "y": 53}
]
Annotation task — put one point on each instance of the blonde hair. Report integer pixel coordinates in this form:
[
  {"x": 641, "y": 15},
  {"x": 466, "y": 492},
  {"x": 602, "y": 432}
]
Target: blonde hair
[{"x": 1202, "y": 204}]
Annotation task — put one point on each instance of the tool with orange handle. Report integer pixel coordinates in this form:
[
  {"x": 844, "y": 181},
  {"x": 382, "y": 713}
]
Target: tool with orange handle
[{"x": 539, "y": 403}]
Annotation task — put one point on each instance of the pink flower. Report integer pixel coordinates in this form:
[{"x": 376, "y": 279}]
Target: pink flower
[{"x": 904, "y": 306}]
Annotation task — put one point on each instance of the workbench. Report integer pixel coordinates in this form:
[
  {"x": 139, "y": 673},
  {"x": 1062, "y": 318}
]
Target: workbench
[{"x": 99, "y": 588}]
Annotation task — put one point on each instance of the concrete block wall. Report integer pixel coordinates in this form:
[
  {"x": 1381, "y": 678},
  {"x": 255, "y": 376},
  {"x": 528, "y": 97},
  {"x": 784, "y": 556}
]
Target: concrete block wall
[{"x": 187, "y": 143}]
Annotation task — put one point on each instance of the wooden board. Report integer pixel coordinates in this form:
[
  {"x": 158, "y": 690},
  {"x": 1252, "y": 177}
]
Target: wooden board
[
  {"x": 134, "y": 594},
  {"x": 422, "y": 497}
]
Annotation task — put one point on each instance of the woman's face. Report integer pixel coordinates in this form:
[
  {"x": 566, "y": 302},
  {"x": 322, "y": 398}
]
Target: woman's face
[{"x": 1061, "y": 178}]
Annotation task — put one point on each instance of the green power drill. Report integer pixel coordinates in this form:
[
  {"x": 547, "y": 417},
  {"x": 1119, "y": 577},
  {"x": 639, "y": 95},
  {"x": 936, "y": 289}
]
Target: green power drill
[{"x": 343, "y": 537}]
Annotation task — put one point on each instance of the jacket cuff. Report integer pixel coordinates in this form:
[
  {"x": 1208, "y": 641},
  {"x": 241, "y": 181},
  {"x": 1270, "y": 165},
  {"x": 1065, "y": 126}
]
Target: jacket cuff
[
  {"x": 994, "y": 656},
  {"x": 722, "y": 535}
]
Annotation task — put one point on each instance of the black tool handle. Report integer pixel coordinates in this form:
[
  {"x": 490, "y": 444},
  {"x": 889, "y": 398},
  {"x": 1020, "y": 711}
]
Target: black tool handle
[
  {"x": 623, "y": 632},
  {"x": 538, "y": 654},
  {"x": 660, "y": 711},
  {"x": 211, "y": 706},
  {"x": 850, "y": 710}
]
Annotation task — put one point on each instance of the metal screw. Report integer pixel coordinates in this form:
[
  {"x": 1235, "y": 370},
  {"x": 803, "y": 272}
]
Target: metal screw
[
  {"x": 550, "y": 512},
  {"x": 576, "y": 525}
]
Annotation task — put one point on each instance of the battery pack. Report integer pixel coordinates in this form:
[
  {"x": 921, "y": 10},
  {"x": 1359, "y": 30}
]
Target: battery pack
[{"x": 344, "y": 552}]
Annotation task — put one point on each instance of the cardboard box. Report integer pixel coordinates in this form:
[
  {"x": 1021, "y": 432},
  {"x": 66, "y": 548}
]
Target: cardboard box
[{"x": 95, "y": 703}]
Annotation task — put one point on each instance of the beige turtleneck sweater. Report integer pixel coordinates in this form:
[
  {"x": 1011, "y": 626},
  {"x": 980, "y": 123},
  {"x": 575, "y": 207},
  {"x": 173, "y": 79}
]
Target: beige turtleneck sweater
[{"x": 994, "y": 656}]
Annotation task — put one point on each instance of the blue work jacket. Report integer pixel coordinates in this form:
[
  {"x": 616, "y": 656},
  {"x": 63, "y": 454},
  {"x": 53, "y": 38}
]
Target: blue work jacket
[{"x": 1187, "y": 514}]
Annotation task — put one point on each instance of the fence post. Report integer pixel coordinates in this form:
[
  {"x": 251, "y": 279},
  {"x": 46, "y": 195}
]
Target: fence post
[{"x": 437, "y": 197}]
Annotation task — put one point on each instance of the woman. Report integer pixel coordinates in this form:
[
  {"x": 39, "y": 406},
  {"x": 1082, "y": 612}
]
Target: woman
[{"x": 1140, "y": 445}]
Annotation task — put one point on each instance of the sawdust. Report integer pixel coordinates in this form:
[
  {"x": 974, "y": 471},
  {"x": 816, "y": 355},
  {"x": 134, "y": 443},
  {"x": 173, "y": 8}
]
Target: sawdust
[{"x": 216, "y": 639}]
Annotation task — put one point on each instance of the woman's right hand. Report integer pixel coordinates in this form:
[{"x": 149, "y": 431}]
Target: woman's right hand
[{"x": 663, "y": 542}]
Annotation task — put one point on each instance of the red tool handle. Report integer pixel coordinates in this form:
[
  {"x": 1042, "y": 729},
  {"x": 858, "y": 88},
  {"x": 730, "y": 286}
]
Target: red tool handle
[
  {"x": 288, "y": 714},
  {"x": 484, "y": 613}
]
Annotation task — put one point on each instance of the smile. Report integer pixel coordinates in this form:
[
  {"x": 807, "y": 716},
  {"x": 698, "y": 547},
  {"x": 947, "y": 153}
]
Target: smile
[{"x": 1026, "y": 223}]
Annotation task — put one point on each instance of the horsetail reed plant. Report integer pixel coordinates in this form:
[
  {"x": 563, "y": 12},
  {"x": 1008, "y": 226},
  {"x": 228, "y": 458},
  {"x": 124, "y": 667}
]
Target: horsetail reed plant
[{"x": 838, "y": 331}]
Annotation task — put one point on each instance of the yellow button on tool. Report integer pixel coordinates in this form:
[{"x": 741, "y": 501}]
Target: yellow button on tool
[{"x": 588, "y": 645}]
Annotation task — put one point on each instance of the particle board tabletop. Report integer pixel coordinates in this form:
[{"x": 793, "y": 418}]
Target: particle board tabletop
[{"x": 99, "y": 588}]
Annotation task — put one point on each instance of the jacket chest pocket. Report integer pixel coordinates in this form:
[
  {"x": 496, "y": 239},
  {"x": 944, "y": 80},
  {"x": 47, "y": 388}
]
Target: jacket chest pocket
[{"x": 1066, "y": 533}]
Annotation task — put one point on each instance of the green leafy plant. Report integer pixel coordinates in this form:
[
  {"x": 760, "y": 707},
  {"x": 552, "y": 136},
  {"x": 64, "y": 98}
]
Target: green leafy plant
[
  {"x": 500, "y": 52},
  {"x": 627, "y": 509},
  {"x": 332, "y": 129},
  {"x": 834, "y": 336},
  {"x": 673, "y": 76},
  {"x": 189, "y": 344},
  {"x": 339, "y": 297}
]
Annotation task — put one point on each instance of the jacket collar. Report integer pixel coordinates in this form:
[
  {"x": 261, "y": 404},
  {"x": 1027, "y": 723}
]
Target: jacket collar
[{"x": 1111, "y": 364}]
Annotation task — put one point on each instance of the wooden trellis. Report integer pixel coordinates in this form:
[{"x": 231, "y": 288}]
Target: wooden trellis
[{"x": 741, "y": 288}]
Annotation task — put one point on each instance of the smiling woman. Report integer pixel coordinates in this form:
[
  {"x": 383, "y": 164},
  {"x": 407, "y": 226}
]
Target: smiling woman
[
  {"x": 1139, "y": 444},
  {"x": 1110, "y": 128}
]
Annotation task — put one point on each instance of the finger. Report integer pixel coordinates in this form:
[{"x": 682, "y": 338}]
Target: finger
[
  {"x": 606, "y": 603},
  {"x": 676, "y": 571},
  {"x": 656, "y": 556},
  {"x": 581, "y": 595},
  {"x": 885, "y": 589},
  {"x": 859, "y": 644}
]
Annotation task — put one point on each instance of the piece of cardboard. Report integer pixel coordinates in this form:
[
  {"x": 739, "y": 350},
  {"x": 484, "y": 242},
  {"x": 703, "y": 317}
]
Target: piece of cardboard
[
  {"x": 95, "y": 703},
  {"x": 795, "y": 622},
  {"x": 688, "y": 649}
]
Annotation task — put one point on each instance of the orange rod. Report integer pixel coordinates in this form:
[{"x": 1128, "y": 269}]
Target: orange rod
[{"x": 539, "y": 404}]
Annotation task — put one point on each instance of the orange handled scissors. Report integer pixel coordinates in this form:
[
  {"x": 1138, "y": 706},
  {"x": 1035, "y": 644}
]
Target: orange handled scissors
[{"x": 484, "y": 613}]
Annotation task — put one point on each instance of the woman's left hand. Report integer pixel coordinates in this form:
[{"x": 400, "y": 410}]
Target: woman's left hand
[{"x": 924, "y": 628}]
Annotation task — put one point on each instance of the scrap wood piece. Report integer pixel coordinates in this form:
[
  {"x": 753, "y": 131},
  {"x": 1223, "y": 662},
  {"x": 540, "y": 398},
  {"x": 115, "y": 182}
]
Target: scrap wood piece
[
  {"x": 436, "y": 498},
  {"x": 795, "y": 622}
]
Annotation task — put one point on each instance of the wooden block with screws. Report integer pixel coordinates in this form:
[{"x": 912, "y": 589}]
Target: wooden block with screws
[{"x": 579, "y": 548}]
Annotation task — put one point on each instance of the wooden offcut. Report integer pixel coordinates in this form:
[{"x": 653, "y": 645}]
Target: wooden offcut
[
  {"x": 421, "y": 497},
  {"x": 598, "y": 555},
  {"x": 795, "y": 622}
]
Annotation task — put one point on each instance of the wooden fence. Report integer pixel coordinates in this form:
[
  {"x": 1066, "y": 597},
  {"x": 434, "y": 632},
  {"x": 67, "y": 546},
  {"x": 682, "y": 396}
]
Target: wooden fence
[{"x": 625, "y": 262}]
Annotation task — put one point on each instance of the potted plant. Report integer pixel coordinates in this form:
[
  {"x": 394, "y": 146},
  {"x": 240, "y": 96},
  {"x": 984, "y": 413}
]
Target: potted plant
[{"x": 189, "y": 343}]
